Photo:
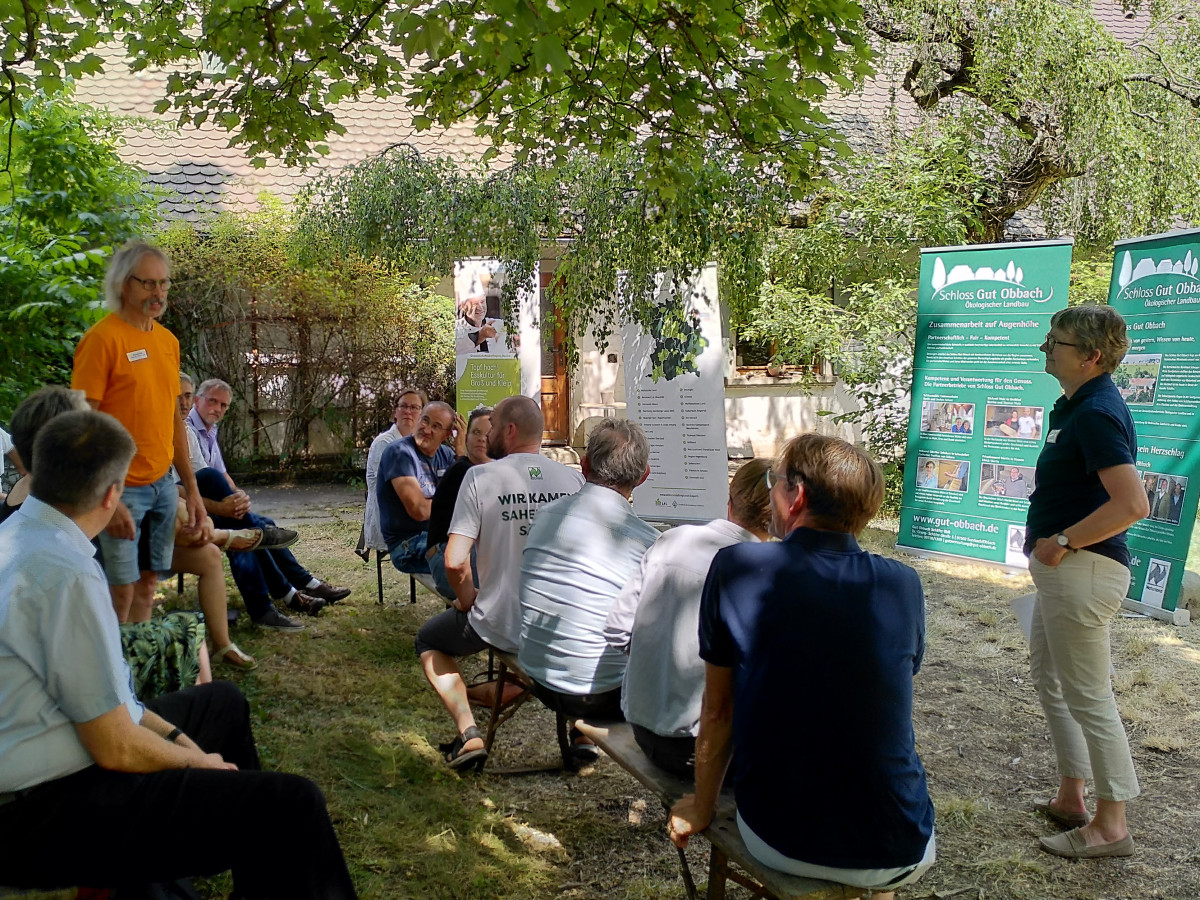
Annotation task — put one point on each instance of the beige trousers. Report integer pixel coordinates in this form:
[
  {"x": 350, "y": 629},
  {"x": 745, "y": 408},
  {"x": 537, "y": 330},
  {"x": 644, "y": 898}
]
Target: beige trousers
[{"x": 1070, "y": 661}]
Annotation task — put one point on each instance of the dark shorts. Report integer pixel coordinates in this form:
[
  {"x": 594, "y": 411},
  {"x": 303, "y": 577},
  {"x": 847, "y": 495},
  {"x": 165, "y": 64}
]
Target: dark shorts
[
  {"x": 676, "y": 755},
  {"x": 450, "y": 632},
  {"x": 604, "y": 707}
]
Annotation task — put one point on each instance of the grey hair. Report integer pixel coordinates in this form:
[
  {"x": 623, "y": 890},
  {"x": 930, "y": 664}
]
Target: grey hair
[
  {"x": 617, "y": 453},
  {"x": 184, "y": 376},
  {"x": 212, "y": 384},
  {"x": 121, "y": 266},
  {"x": 36, "y": 410},
  {"x": 1095, "y": 327}
]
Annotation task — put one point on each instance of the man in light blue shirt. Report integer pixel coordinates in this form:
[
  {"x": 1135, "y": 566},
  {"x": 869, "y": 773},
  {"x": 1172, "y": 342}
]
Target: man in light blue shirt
[
  {"x": 581, "y": 551},
  {"x": 77, "y": 747}
]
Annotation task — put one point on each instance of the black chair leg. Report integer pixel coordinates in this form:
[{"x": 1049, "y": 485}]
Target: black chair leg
[{"x": 379, "y": 573}]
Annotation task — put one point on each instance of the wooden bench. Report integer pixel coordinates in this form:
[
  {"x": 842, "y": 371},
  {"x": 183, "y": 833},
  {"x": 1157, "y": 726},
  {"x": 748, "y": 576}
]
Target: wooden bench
[{"x": 617, "y": 740}]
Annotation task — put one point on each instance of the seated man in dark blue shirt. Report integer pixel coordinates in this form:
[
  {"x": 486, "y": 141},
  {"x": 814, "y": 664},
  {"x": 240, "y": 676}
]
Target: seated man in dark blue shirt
[
  {"x": 409, "y": 472},
  {"x": 808, "y": 643}
]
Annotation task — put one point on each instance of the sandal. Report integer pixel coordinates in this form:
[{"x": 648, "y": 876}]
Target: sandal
[
  {"x": 456, "y": 757},
  {"x": 233, "y": 655},
  {"x": 241, "y": 540}
]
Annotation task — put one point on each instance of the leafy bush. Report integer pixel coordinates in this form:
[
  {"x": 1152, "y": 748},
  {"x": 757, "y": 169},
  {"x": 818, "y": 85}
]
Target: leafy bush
[
  {"x": 301, "y": 342},
  {"x": 68, "y": 200}
]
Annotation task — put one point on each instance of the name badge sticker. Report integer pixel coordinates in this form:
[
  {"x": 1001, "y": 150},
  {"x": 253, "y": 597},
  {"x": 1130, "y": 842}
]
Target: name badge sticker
[
  {"x": 1052, "y": 437},
  {"x": 135, "y": 355}
]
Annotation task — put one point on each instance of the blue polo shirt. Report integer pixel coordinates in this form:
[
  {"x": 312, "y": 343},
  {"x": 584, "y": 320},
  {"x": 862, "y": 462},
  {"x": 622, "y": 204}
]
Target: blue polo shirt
[
  {"x": 402, "y": 459},
  {"x": 824, "y": 639},
  {"x": 1092, "y": 430}
]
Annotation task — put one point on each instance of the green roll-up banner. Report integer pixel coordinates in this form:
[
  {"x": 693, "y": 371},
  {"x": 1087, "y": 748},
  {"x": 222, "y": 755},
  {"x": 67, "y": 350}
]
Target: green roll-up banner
[
  {"x": 980, "y": 397},
  {"x": 1156, "y": 287}
]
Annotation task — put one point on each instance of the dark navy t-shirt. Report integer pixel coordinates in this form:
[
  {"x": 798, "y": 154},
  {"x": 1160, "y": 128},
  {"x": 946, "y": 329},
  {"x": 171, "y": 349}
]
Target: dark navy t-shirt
[
  {"x": 1091, "y": 431},
  {"x": 824, "y": 639},
  {"x": 402, "y": 459}
]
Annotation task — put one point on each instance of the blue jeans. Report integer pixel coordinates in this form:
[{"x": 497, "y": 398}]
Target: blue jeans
[
  {"x": 437, "y": 568},
  {"x": 153, "y": 507},
  {"x": 409, "y": 555},
  {"x": 258, "y": 574}
]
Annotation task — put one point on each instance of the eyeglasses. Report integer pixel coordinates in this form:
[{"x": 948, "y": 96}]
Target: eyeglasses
[
  {"x": 152, "y": 283},
  {"x": 772, "y": 478},
  {"x": 409, "y": 406},
  {"x": 1052, "y": 342}
]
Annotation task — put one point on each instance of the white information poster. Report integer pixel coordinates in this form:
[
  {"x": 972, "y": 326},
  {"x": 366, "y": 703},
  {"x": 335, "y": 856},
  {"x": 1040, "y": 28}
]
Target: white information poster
[{"x": 675, "y": 389}]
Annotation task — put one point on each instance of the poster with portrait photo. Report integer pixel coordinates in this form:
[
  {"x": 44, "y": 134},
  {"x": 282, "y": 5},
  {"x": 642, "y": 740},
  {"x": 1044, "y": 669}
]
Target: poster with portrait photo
[
  {"x": 1137, "y": 378},
  {"x": 1002, "y": 480},
  {"x": 943, "y": 474},
  {"x": 941, "y": 417},
  {"x": 1166, "y": 495},
  {"x": 1022, "y": 422}
]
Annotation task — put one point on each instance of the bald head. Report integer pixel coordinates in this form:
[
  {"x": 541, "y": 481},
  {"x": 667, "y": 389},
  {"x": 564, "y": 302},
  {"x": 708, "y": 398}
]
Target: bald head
[{"x": 517, "y": 426}]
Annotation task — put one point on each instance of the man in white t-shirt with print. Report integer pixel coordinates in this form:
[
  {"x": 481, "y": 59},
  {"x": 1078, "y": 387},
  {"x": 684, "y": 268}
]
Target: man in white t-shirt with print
[{"x": 495, "y": 509}]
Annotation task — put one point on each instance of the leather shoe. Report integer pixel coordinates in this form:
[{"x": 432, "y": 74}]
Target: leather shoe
[
  {"x": 306, "y": 603},
  {"x": 1066, "y": 819},
  {"x": 275, "y": 538},
  {"x": 1072, "y": 845},
  {"x": 328, "y": 592}
]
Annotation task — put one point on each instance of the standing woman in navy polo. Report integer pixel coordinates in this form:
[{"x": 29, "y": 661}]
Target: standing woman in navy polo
[{"x": 1088, "y": 493}]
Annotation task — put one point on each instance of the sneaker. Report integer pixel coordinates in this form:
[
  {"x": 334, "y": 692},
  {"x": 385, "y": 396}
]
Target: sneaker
[
  {"x": 277, "y": 621},
  {"x": 275, "y": 538},
  {"x": 306, "y": 603},
  {"x": 328, "y": 592}
]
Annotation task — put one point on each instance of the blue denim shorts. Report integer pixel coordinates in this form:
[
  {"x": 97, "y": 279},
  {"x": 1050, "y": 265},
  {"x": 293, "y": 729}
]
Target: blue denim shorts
[
  {"x": 153, "y": 507},
  {"x": 409, "y": 555}
]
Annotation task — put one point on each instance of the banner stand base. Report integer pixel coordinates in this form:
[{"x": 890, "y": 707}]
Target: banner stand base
[{"x": 1178, "y": 617}]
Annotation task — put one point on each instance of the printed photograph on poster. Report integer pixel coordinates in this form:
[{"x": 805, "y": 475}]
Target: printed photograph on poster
[
  {"x": 947, "y": 418},
  {"x": 1137, "y": 377},
  {"x": 1014, "y": 550},
  {"x": 997, "y": 480},
  {"x": 479, "y": 316},
  {"x": 1157, "y": 576},
  {"x": 1166, "y": 494},
  {"x": 1024, "y": 422},
  {"x": 943, "y": 474}
]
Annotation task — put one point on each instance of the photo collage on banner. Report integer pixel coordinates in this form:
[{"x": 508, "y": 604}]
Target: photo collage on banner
[
  {"x": 981, "y": 396},
  {"x": 488, "y": 366},
  {"x": 1156, "y": 287}
]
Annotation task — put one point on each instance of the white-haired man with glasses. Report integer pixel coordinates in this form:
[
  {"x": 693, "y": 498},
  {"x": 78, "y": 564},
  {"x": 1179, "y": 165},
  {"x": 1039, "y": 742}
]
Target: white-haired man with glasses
[{"x": 127, "y": 365}]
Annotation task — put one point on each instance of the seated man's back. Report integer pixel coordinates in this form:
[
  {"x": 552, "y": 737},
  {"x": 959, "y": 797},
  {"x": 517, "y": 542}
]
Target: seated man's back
[{"x": 580, "y": 553}]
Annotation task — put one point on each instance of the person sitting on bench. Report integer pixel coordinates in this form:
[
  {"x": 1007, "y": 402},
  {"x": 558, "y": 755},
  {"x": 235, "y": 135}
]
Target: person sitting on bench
[
  {"x": 656, "y": 617},
  {"x": 581, "y": 551},
  {"x": 175, "y": 783},
  {"x": 496, "y": 506},
  {"x": 441, "y": 510},
  {"x": 409, "y": 472},
  {"x": 810, "y": 648}
]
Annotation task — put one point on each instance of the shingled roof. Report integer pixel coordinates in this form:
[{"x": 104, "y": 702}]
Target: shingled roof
[{"x": 202, "y": 174}]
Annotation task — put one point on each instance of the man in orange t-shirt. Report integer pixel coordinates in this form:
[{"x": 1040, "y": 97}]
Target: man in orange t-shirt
[{"x": 128, "y": 366}]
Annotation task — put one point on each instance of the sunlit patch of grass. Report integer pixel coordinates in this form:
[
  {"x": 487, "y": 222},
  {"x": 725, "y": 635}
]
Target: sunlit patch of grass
[{"x": 958, "y": 812}]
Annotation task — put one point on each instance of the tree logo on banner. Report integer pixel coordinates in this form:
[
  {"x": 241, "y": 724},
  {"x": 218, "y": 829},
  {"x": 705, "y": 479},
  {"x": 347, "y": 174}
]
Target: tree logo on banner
[
  {"x": 1186, "y": 268},
  {"x": 1012, "y": 275}
]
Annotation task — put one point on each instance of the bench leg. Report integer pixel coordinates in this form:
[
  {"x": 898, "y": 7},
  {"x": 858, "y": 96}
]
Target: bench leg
[
  {"x": 412, "y": 590},
  {"x": 562, "y": 726},
  {"x": 688, "y": 884},
  {"x": 718, "y": 871},
  {"x": 497, "y": 702},
  {"x": 379, "y": 573}
]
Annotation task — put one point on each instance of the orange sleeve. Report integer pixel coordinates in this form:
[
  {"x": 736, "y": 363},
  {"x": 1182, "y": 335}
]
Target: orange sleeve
[{"x": 93, "y": 363}]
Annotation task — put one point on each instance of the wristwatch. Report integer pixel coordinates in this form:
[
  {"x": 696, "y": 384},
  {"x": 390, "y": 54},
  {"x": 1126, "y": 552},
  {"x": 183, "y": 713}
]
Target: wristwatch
[{"x": 1064, "y": 542}]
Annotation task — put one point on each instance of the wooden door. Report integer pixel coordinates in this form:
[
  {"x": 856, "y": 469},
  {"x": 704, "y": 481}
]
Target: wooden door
[{"x": 556, "y": 400}]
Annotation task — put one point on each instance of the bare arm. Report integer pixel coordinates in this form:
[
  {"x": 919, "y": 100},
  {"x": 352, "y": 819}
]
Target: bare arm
[
  {"x": 458, "y": 570},
  {"x": 714, "y": 748},
  {"x": 416, "y": 504},
  {"x": 1126, "y": 505},
  {"x": 183, "y": 465},
  {"x": 117, "y": 744}
]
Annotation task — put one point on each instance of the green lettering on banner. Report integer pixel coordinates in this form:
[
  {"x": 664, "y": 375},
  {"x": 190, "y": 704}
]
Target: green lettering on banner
[
  {"x": 1156, "y": 287},
  {"x": 981, "y": 398}
]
